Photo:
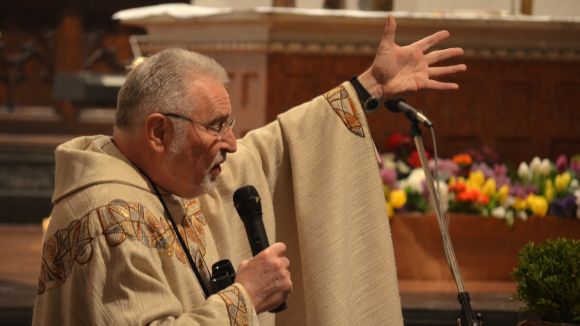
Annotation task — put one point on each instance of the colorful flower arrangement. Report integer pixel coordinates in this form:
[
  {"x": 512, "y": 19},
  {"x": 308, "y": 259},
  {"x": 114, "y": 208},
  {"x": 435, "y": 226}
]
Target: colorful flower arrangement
[{"x": 476, "y": 183}]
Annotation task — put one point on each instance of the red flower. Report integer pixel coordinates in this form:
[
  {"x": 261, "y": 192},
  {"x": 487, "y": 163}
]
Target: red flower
[
  {"x": 397, "y": 140},
  {"x": 463, "y": 196},
  {"x": 472, "y": 195},
  {"x": 414, "y": 159},
  {"x": 457, "y": 187},
  {"x": 484, "y": 199}
]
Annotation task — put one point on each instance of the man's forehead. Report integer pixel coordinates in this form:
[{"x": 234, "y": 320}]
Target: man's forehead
[{"x": 212, "y": 98}]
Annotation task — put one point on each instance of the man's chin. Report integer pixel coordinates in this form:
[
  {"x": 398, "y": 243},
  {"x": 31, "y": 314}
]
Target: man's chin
[{"x": 208, "y": 185}]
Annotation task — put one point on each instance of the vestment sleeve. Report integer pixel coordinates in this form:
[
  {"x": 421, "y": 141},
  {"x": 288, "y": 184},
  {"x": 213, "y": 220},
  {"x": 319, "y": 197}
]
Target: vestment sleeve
[{"x": 318, "y": 171}]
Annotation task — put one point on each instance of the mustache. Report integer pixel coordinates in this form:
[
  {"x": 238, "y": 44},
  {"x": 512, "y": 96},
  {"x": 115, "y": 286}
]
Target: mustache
[{"x": 218, "y": 159}]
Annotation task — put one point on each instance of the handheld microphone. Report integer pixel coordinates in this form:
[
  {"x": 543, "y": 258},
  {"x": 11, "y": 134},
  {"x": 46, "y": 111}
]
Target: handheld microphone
[
  {"x": 249, "y": 207},
  {"x": 399, "y": 105}
]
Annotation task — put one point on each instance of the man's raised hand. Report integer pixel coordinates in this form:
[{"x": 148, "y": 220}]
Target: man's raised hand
[{"x": 398, "y": 70}]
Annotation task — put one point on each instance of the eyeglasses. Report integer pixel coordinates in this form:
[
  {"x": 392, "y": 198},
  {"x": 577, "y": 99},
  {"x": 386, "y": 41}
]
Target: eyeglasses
[{"x": 218, "y": 129}]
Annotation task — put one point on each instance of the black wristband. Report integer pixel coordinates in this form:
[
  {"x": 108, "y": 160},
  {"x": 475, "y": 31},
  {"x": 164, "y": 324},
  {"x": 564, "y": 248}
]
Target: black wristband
[{"x": 369, "y": 103}]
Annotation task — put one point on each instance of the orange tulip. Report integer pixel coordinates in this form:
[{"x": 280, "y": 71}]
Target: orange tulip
[{"x": 462, "y": 159}]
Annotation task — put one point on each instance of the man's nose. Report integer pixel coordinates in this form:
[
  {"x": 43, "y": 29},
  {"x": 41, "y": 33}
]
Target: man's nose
[{"x": 230, "y": 142}]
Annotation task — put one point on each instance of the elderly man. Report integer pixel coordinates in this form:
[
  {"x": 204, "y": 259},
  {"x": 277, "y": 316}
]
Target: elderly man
[{"x": 139, "y": 217}]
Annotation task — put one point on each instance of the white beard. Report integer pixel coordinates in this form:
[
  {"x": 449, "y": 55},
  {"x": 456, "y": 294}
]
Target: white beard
[{"x": 208, "y": 184}]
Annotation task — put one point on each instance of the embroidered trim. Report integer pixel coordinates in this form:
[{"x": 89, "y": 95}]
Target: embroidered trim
[
  {"x": 119, "y": 221},
  {"x": 61, "y": 251},
  {"x": 193, "y": 226},
  {"x": 342, "y": 104},
  {"x": 236, "y": 306}
]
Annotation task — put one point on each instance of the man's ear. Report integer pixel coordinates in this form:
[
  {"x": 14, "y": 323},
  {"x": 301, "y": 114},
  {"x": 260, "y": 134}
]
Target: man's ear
[{"x": 158, "y": 132}]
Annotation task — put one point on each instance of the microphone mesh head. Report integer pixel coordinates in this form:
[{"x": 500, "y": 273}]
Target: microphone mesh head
[
  {"x": 247, "y": 202},
  {"x": 393, "y": 105}
]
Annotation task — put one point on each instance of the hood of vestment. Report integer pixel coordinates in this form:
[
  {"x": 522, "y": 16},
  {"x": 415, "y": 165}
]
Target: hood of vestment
[{"x": 90, "y": 160}]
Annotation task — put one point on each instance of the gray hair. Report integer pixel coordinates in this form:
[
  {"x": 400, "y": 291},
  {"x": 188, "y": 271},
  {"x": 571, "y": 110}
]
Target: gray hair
[{"x": 162, "y": 83}]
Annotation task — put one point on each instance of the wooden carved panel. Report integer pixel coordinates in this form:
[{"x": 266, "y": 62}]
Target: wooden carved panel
[
  {"x": 25, "y": 67},
  {"x": 516, "y": 147},
  {"x": 559, "y": 145},
  {"x": 296, "y": 78},
  {"x": 566, "y": 106},
  {"x": 517, "y": 108},
  {"x": 515, "y": 102},
  {"x": 40, "y": 39}
]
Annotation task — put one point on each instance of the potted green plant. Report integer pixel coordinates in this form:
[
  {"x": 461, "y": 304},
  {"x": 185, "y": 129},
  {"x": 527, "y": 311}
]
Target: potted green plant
[{"x": 548, "y": 281}]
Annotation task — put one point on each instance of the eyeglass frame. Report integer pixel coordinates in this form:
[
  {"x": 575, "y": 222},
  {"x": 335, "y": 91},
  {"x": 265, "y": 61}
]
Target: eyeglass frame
[{"x": 219, "y": 134}]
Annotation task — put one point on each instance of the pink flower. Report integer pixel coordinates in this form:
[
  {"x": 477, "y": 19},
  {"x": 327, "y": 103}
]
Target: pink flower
[
  {"x": 562, "y": 163},
  {"x": 389, "y": 176},
  {"x": 575, "y": 166}
]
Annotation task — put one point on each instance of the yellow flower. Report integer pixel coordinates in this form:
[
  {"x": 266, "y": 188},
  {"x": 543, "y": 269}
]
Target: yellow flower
[
  {"x": 503, "y": 193},
  {"x": 549, "y": 190},
  {"x": 489, "y": 187},
  {"x": 476, "y": 179},
  {"x": 452, "y": 181},
  {"x": 397, "y": 198},
  {"x": 538, "y": 205},
  {"x": 390, "y": 210},
  {"x": 386, "y": 191},
  {"x": 562, "y": 181},
  {"x": 520, "y": 204}
]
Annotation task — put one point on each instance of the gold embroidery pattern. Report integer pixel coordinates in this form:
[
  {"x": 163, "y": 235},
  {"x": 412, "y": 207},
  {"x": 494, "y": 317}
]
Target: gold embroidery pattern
[
  {"x": 62, "y": 250},
  {"x": 193, "y": 226},
  {"x": 235, "y": 305},
  {"x": 341, "y": 104},
  {"x": 119, "y": 220}
]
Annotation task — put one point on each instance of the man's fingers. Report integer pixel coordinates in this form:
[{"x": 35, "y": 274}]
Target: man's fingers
[
  {"x": 390, "y": 28},
  {"x": 278, "y": 249},
  {"x": 441, "y": 55},
  {"x": 243, "y": 264},
  {"x": 433, "y": 84},
  {"x": 266, "y": 277},
  {"x": 440, "y": 71},
  {"x": 285, "y": 262},
  {"x": 427, "y": 42}
]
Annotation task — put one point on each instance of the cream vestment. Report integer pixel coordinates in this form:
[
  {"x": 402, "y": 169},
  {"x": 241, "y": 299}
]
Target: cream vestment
[{"x": 111, "y": 258}]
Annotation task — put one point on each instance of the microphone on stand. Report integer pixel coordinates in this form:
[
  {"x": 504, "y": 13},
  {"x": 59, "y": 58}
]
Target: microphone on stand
[
  {"x": 467, "y": 317},
  {"x": 399, "y": 105},
  {"x": 249, "y": 207}
]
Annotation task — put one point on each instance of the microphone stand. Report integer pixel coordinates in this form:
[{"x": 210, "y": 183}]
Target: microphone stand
[{"x": 466, "y": 317}]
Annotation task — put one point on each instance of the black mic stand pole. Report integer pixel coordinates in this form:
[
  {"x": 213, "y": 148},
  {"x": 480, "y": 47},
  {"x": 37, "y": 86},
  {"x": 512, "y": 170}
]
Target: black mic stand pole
[{"x": 467, "y": 317}]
